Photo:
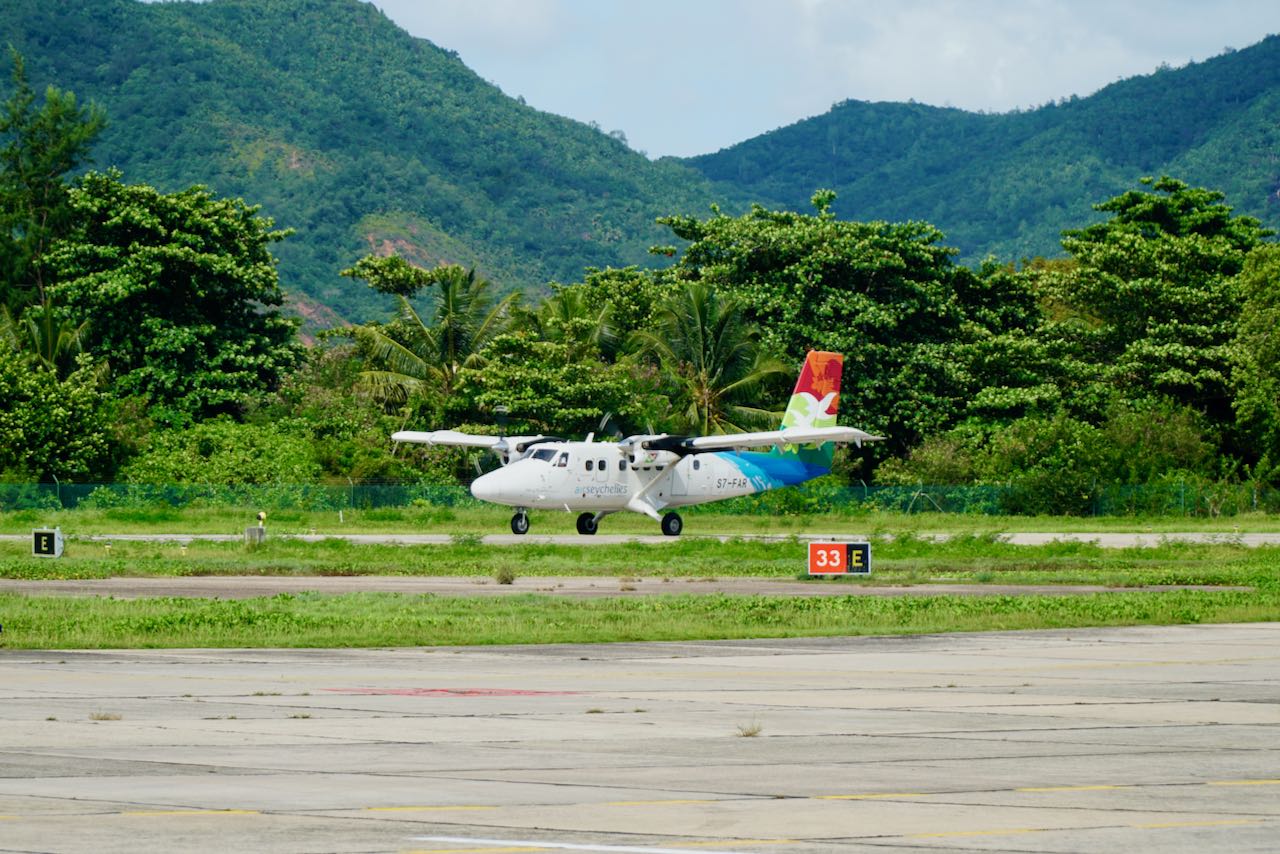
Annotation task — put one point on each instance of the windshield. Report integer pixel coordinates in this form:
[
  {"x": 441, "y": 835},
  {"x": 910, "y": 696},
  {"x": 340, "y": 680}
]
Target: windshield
[{"x": 544, "y": 454}]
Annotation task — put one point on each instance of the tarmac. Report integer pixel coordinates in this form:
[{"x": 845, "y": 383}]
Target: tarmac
[
  {"x": 1104, "y": 539},
  {"x": 1099, "y": 740},
  {"x": 572, "y": 586}
]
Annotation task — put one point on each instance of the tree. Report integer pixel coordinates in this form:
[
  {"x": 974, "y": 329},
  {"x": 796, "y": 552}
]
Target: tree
[
  {"x": 1257, "y": 359},
  {"x": 43, "y": 145},
  {"x": 1151, "y": 304},
  {"x": 425, "y": 357},
  {"x": 571, "y": 316},
  {"x": 51, "y": 427},
  {"x": 182, "y": 292},
  {"x": 885, "y": 295},
  {"x": 713, "y": 360},
  {"x": 43, "y": 338},
  {"x": 550, "y": 387}
]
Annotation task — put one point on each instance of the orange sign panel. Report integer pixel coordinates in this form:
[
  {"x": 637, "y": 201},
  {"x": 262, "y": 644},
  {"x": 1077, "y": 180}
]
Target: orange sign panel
[{"x": 839, "y": 558}]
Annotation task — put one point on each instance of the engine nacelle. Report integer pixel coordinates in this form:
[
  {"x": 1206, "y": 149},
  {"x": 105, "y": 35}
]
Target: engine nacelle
[{"x": 642, "y": 457}]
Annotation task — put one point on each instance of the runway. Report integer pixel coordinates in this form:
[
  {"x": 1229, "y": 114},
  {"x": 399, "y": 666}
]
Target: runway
[{"x": 1110, "y": 740}]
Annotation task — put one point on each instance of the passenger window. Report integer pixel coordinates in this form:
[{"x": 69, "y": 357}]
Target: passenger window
[
  {"x": 588, "y": 465},
  {"x": 601, "y": 465},
  {"x": 622, "y": 465},
  {"x": 697, "y": 464}
]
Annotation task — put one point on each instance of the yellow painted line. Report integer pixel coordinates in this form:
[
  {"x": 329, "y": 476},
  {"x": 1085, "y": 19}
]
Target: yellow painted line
[
  {"x": 659, "y": 803},
  {"x": 191, "y": 812},
  {"x": 1070, "y": 788},
  {"x": 874, "y": 795},
  {"x": 993, "y": 832},
  {"x": 1223, "y": 823},
  {"x": 421, "y": 809},
  {"x": 1243, "y": 783},
  {"x": 472, "y": 850},
  {"x": 8, "y": 818}
]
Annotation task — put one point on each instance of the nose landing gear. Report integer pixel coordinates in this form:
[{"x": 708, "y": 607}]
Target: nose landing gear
[{"x": 520, "y": 522}]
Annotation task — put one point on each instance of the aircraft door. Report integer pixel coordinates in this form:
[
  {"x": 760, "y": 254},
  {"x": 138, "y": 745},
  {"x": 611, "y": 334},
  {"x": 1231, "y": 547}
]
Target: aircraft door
[
  {"x": 602, "y": 470},
  {"x": 680, "y": 476}
]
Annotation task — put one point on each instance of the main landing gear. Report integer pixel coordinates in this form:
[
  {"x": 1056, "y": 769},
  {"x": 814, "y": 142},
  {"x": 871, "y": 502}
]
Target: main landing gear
[
  {"x": 672, "y": 524},
  {"x": 587, "y": 524},
  {"x": 520, "y": 522}
]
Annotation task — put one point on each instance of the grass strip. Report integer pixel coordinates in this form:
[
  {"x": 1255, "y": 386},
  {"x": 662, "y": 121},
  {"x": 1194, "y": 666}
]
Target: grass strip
[
  {"x": 394, "y": 620},
  {"x": 903, "y": 560}
]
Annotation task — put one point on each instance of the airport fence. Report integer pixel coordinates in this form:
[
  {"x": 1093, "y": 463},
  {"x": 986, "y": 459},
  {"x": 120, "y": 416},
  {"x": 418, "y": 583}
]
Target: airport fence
[{"x": 1186, "y": 499}]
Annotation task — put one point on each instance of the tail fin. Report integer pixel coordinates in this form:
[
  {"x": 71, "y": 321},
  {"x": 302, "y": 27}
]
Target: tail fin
[{"x": 814, "y": 403}]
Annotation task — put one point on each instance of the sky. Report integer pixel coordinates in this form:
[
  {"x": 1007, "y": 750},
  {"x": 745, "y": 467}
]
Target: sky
[{"x": 685, "y": 77}]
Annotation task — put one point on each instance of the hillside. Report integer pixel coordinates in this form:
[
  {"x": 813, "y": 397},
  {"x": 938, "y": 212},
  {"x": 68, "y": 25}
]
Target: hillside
[
  {"x": 353, "y": 133},
  {"x": 1007, "y": 184},
  {"x": 359, "y": 136}
]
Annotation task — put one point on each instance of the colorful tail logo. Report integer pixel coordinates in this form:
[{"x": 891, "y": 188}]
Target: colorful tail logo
[{"x": 814, "y": 403}]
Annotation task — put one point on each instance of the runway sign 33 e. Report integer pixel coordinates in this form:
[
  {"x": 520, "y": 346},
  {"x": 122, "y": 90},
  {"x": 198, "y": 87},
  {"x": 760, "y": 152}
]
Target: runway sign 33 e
[{"x": 839, "y": 558}]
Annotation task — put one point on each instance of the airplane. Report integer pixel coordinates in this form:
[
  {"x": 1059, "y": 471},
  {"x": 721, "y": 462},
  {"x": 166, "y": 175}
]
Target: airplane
[{"x": 650, "y": 474}]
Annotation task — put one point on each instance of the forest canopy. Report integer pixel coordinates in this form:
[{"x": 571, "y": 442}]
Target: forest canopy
[{"x": 142, "y": 339}]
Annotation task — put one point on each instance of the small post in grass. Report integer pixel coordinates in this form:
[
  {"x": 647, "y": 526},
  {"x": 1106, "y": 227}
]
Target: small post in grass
[{"x": 256, "y": 535}]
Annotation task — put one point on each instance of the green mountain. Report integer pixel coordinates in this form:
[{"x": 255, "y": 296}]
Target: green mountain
[
  {"x": 1008, "y": 184},
  {"x": 360, "y": 136},
  {"x": 353, "y": 133}
]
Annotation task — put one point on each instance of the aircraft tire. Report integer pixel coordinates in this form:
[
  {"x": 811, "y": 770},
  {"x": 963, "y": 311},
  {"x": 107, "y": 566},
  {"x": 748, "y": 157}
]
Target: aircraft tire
[
  {"x": 672, "y": 524},
  {"x": 587, "y": 524},
  {"x": 520, "y": 523}
]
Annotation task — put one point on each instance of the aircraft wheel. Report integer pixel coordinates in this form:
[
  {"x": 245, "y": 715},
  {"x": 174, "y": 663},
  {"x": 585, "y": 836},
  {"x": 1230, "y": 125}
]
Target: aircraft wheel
[
  {"x": 672, "y": 524},
  {"x": 520, "y": 523},
  {"x": 587, "y": 523}
]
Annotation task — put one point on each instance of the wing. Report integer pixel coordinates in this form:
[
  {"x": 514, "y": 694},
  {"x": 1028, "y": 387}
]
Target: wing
[
  {"x": 789, "y": 436},
  {"x": 447, "y": 437},
  {"x": 764, "y": 439},
  {"x": 509, "y": 448}
]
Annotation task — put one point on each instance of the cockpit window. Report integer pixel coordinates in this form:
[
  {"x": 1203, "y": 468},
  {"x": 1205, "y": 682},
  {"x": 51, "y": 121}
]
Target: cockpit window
[
  {"x": 563, "y": 461},
  {"x": 544, "y": 454}
]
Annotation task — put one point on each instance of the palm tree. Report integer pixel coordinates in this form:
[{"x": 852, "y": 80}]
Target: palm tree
[
  {"x": 713, "y": 360},
  {"x": 420, "y": 355},
  {"x": 570, "y": 317},
  {"x": 44, "y": 339}
]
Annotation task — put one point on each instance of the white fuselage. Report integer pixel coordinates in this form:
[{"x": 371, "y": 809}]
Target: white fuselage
[{"x": 606, "y": 477}]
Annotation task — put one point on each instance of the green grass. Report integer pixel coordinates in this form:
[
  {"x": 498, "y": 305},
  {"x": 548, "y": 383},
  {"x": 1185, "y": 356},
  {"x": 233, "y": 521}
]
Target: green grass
[
  {"x": 902, "y": 560},
  {"x": 382, "y": 620},
  {"x": 313, "y": 620}
]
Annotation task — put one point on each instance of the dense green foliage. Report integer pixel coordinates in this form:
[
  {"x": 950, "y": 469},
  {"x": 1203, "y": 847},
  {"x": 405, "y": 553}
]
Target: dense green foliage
[
  {"x": 887, "y": 295},
  {"x": 42, "y": 145},
  {"x": 51, "y": 427},
  {"x": 179, "y": 289}
]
